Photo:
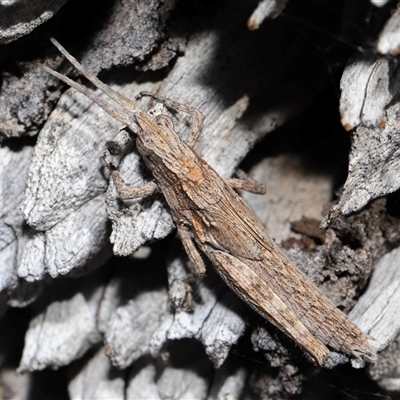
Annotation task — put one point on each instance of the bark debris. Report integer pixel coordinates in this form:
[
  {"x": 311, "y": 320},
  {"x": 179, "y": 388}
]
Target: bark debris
[{"x": 261, "y": 72}]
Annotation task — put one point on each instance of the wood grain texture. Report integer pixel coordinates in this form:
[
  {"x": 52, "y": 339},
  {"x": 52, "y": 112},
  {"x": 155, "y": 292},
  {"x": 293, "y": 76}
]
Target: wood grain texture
[
  {"x": 247, "y": 84},
  {"x": 21, "y": 17},
  {"x": 389, "y": 39},
  {"x": 373, "y": 165}
]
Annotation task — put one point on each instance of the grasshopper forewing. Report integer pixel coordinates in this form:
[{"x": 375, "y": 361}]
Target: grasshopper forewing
[{"x": 212, "y": 219}]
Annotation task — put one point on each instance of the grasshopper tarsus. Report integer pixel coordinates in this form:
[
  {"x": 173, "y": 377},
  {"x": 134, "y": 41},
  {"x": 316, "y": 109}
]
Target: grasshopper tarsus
[{"x": 103, "y": 161}]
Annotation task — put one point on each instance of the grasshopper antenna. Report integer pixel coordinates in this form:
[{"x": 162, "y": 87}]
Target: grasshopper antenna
[
  {"x": 129, "y": 105},
  {"x": 119, "y": 98}
]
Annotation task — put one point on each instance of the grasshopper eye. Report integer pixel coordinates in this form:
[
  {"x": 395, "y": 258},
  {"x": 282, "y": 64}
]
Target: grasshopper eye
[{"x": 144, "y": 144}]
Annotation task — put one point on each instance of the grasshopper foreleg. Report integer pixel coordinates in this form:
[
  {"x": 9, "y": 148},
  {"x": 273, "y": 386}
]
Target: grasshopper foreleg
[{"x": 196, "y": 125}]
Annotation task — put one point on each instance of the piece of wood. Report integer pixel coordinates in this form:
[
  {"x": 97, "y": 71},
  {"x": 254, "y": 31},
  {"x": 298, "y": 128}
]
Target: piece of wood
[
  {"x": 217, "y": 320},
  {"x": 64, "y": 324},
  {"x": 373, "y": 166},
  {"x": 13, "y": 173},
  {"x": 376, "y": 311},
  {"x": 265, "y": 9},
  {"x": 129, "y": 316},
  {"x": 274, "y": 93},
  {"x": 21, "y": 17},
  {"x": 179, "y": 377},
  {"x": 142, "y": 380},
  {"x": 365, "y": 92},
  {"x": 96, "y": 378},
  {"x": 389, "y": 38}
]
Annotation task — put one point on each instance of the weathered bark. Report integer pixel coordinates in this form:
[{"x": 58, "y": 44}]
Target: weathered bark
[{"x": 60, "y": 216}]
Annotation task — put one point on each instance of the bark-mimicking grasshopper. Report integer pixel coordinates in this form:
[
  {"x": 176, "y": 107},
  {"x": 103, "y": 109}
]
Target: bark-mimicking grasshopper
[{"x": 211, "y": 217}]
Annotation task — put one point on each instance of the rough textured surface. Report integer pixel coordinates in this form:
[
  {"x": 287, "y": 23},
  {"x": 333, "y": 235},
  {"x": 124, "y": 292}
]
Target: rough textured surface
[
  {"x": 215, "y": 325},
  {"x": 379, "y": 309},
  {"x": 19, "y": 18},
  {"x": 386, "y": 370},
  {"x": 369, "y": 104},
  {"x": 389, "y": 38},
  {"x": 14, "y": 169},
  {"x": 95, "y": 378},
  {"x": 131, "y": 312},
  {"x": 381, "y": 319},
  {"x": 132, "y": 32},
  {"x": 373, "y": 165},
  {"x": 365, "y": 92},
  {"x": 142, "y": 24},
  {"x": 26, "y": 102},
  {"x": 64, "y": 324}
]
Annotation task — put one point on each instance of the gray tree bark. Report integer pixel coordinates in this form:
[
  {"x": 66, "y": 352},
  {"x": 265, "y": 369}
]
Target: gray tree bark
[{"x": 116, "y": 326}]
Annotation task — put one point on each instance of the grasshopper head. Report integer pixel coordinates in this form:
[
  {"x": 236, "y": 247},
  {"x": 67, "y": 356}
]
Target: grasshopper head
[{"x": 154, "y": 141}]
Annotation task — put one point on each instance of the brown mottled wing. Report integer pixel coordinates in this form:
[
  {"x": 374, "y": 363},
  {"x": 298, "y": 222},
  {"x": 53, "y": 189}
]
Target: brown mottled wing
[
  {"x": 235, "y": 228},
  {"x": 238, "y": 231},
  {"x": 246, "y": 283}
]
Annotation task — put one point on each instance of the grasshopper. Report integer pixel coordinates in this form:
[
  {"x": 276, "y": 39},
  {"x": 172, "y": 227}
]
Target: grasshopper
[{"x": 212, "y": 219}]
